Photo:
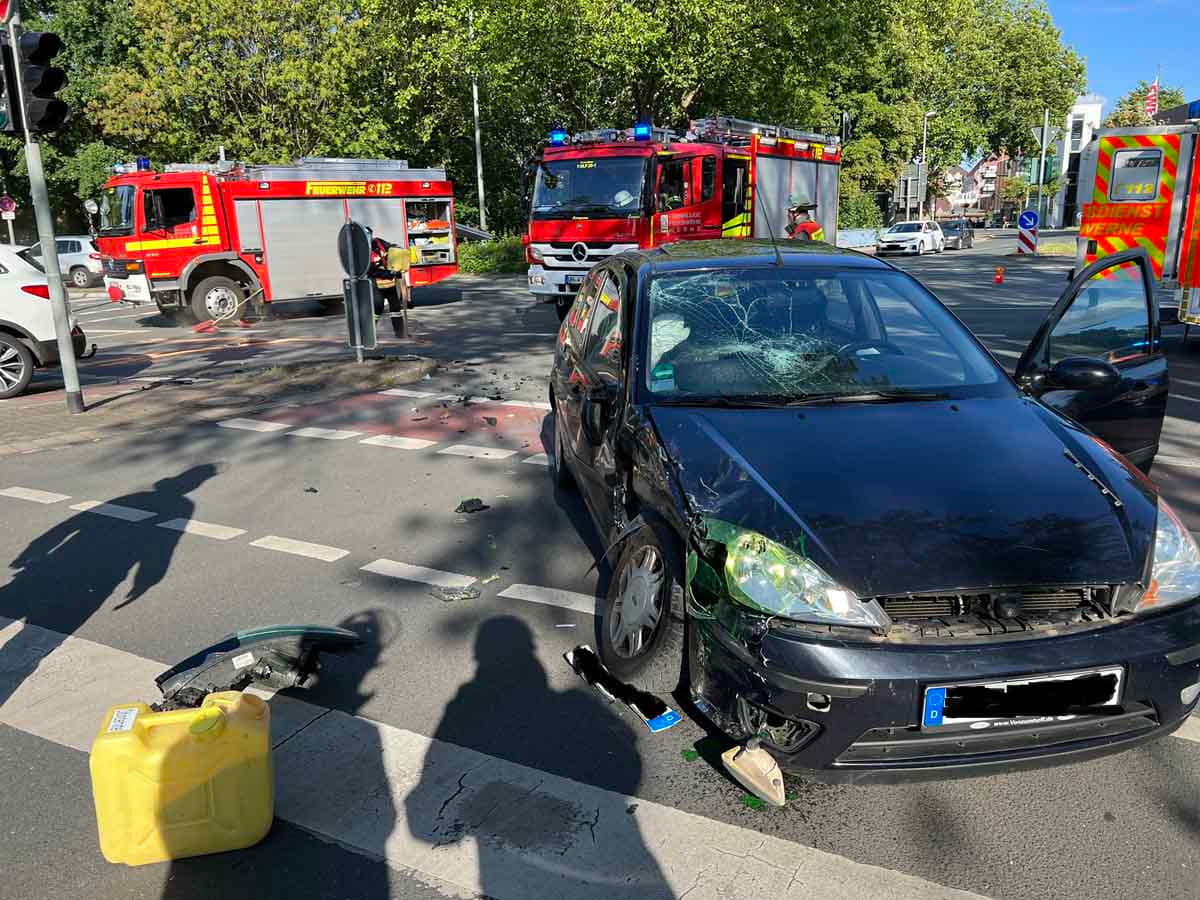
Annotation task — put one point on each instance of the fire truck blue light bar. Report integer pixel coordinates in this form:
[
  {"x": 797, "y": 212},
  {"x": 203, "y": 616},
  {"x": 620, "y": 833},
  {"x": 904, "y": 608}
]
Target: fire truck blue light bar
[
  {"x": 641, "y": 131},
  {"x": 558, "y": 136}
]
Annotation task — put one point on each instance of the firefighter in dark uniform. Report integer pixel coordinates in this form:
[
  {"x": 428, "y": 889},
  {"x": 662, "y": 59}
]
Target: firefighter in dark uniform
[{"x": 389, "y": 267}]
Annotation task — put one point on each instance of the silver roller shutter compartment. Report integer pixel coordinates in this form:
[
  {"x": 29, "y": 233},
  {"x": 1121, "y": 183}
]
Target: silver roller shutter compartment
[
  {"x": 383, "y": 215},
  {"x": 301, "y": 246}
]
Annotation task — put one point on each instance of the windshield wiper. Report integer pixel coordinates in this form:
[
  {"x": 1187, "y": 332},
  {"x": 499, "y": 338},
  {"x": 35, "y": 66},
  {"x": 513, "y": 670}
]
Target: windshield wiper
[{"x": 869, "y": 397}]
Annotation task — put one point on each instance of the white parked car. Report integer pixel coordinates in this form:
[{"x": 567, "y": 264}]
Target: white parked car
[
  {"x": 26, "y": 324},
  {"x": 78, "y": 258},
  {"x": 911, "y": 237}
]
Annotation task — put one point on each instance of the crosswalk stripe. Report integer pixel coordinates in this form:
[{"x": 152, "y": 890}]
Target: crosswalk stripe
[
  {"x": 538, "y": 459},
  {"x": 33, "y": 496},
  {"x": 398, "y": 442},
  {"x": 473, "y": 452},
  {"x": 581, "y": 603},
  {"x": 394, "y": 794},
  {"x": 328, "y": 434},
  {"x": 409, "y": 572},
  {"x": 114, "y": 511},
  {"x": 405, "y": 392},
  {"x": 203, "y": 529},
  {"x": 300, "y": 548},
  {"x": 254, "y": 425}
]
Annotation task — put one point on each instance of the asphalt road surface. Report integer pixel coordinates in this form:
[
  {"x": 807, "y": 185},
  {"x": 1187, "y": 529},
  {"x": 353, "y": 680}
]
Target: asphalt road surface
[{"x": 458, "y": 755}]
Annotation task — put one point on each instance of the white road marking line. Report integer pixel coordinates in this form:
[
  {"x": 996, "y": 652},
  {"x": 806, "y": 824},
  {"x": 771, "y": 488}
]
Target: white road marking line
[
  {"x": 378, "y": 790},
  {"x": 405, "y": 392},
  {"x": 203, "y": 529},
  {"x": 538, "y": 459},
  {"x": 529, "y": 404},
  {"x": 112, "y": 331},
  {"x": 254, "y": 425},
  {"x": 397, "y": 442},
  {"x": 34, "y": 496},
  {"x": 114, "y": 511},
  {"x": 407, "y": 572},
  {"x": 581, "y": 603},
  {"x": 1190, "y": 729},
  {"x": 300, "y": 548},
  {"x": 473, "y": 452},
  {"x": 325, "y": 434}
]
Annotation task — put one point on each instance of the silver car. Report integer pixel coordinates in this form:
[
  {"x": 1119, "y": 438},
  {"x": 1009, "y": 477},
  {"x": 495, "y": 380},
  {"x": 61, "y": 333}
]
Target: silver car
[{"x": 78, "y": 257}]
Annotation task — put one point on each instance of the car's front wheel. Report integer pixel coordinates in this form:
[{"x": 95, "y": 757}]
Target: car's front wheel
[
  {"x": 16, "y": 366},
  {"x": 641, "y": 641}
]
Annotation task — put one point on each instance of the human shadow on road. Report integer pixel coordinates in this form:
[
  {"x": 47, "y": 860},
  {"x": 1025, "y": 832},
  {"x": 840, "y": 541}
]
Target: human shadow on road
[
  {"x": 291, "y": 861},
  {"x": 532, "y": 835},
  {"x": 66, "y": 574}
]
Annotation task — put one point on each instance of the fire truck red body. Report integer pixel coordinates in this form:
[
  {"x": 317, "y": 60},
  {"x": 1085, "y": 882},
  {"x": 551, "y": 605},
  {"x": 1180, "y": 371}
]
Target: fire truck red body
[
  {"x": 204, "y": 238},
  {"x": 603, "y": 192},
  {"x": 1140, "y": 187}
]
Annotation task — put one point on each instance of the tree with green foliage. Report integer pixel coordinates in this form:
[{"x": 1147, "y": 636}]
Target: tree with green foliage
[{"x": 1130, "y": 109}]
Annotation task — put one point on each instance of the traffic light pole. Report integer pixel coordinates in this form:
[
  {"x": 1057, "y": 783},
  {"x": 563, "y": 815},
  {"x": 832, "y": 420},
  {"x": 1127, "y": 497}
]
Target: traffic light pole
[{"x": 45, "y": 230}]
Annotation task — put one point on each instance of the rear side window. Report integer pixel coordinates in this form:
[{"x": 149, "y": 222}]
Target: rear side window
[{"x": 1135, "y": 175}]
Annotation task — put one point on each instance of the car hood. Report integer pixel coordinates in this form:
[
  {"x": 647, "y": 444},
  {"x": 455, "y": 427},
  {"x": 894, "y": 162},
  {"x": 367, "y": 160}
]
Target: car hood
[{"x": 925, "y": 496}]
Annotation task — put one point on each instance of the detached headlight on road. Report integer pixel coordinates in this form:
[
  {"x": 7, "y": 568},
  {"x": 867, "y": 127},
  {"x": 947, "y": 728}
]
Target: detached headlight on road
[
  {"x": 1176, "y": 575},
  {"x": 773, "y": 579}
]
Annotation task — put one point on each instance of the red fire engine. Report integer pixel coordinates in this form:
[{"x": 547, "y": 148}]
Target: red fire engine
[
  {"x": 207, "y": 237},
  {"x": 1141, "y": 187},
  {"x": 602, "y": 192}
]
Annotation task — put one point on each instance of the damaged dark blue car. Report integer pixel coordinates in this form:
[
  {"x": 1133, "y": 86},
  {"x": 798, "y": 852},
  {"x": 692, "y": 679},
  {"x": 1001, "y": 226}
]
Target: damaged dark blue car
[{"x": 850, "y": 533}]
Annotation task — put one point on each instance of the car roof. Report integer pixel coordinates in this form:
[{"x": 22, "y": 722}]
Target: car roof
[{"x": 751, "y": 253}]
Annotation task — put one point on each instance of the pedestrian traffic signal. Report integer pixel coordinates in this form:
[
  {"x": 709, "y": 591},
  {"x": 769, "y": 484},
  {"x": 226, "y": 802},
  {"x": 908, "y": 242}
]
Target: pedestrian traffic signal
[{"x": 40, "y": 81}]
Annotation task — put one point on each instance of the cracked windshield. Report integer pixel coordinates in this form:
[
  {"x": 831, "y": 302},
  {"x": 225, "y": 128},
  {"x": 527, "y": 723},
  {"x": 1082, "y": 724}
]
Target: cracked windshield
[
  {"x": 792, "y": 334},
  {"x": 607, "y": 186}
]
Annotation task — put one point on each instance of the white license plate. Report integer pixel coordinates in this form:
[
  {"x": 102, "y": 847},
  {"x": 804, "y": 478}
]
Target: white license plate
[
  {"x": 574, "y": 279},
  {"x": 980, "y": 705}
]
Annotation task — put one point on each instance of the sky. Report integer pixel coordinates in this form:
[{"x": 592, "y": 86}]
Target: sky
[{"x": 1125, "y": 41}]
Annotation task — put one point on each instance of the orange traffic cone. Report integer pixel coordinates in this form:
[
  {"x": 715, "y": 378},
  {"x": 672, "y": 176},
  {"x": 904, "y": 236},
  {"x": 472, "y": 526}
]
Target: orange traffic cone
[{"x": 999, "y": 277}]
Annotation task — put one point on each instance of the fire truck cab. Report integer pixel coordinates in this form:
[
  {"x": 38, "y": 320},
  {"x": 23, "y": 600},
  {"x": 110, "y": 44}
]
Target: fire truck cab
[
  {"x": 1140, "y": 187},
  {"x": 599, "y": 193},
  {"x": 206, "y": 238}
]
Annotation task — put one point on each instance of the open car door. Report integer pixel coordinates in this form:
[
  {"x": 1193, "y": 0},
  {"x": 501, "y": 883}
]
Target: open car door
[{"x": 1098, "y": 356}]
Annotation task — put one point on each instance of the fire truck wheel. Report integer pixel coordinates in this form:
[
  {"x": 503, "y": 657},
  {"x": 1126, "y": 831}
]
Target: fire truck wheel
[
  {"x": 216, "y": 297},
  {"x": 562, "y": 305}
]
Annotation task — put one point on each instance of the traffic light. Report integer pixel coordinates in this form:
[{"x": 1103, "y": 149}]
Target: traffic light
[
  {"x": 40, "y": 81},
  {"x": 10, "y": 101}
]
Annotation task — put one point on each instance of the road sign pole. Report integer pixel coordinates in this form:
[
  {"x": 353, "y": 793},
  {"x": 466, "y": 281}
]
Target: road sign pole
[
  {"x": 12, "y": 238},
  {"x": 1042, "y": 160},
  {"x": 45, "y": 230}
]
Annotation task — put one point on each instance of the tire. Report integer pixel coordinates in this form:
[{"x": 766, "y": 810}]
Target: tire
[
  {"x": 81, "y": 277},
  {"x": 921, "y": 249},
  {"x": 16, "y": 367},
  {"x": 214, "y": 296},
  {"x": 941, "y": 247},
  {"x": 562, "y": 305},
  {"x": 559, "y": 472},
  {"x": 652, "y": 655}
]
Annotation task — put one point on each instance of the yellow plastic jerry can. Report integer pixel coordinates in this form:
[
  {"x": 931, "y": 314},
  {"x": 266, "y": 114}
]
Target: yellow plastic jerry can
[{"x": 183, "y": 783}]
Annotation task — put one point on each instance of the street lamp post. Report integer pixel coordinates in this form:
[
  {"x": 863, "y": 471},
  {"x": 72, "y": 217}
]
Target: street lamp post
[{"x": 924, "y": 161}]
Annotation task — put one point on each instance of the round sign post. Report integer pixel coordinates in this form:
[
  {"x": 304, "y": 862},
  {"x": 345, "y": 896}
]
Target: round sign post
[
  {"x": 354, "y": 250},
  {"x": 1027, "y": 232}
]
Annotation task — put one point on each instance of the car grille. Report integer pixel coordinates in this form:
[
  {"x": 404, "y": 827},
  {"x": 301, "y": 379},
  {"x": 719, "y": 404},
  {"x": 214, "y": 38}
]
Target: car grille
[
  {"x": 896, "y": 747},
  {"x": 1033, "y": 600}
]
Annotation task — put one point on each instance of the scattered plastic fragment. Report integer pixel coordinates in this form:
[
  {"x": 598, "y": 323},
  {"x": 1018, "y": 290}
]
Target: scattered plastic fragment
[
  {"x": 565, "y": 625},
  {"x": 631, "y": 809},
  {"x": 471, "y": 505},
  {"x": 311, "y": 490},
  {"x": 751, "y": 802},
  {"x": 649, "y": 708},
  {"x": 490, "y": 579},
  {"x": 491, "y": 420},
  {"x": 419, "y": 418},
  {"x": 453, "y": 595},
  {"x": 690, "y": 755}
]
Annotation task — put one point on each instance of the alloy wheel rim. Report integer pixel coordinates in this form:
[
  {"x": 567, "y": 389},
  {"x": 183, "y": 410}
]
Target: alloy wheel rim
[
  {"x": 80, "y": 279},
  {"x": 12, "y": 367},
  {"x": 639, "y": 606}
]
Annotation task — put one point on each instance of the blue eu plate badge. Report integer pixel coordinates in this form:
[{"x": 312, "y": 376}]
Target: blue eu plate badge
[{"x": 935, "y": 703}]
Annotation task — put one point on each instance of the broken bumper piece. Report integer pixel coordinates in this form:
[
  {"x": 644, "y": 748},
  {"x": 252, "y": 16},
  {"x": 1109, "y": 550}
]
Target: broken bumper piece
[
  {"x": 839, "y": 710},
  {"x": 274, "y": 657}
]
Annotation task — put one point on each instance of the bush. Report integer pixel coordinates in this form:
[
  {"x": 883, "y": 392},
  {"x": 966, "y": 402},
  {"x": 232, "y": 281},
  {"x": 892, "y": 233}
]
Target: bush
[
  {"x": 503, "y": 256},
  {"x": 857, "y": 208}
]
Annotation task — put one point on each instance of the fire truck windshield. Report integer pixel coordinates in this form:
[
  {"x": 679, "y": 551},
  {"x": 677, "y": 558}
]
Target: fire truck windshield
[
  {"x": 603, "y": 187},
  {"x": 116, "y": 210}
]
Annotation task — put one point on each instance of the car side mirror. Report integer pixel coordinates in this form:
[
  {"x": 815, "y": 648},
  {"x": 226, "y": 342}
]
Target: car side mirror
[
  {"x": 1081, "y": 373},
  {"x": 596, "y": 413}
]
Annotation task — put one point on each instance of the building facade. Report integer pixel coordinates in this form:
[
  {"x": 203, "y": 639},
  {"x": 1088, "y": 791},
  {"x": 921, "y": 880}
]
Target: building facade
[{"x": 1080, "y": 124}]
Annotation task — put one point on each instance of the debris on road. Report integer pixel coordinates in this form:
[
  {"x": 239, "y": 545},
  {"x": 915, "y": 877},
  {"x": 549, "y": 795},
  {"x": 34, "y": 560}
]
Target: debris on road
[
  {"x": 689, "y": 755},
  {"x": 311, "y": 490},
  {"x": 471, "y": 505},
  {"x": 651, "y": 710},
  {"x": 491, "y": 578},
  {"x": 491, "y": 420},
  {"x": 453, "y": 595},
  {"x": 757, "y": 771}
]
